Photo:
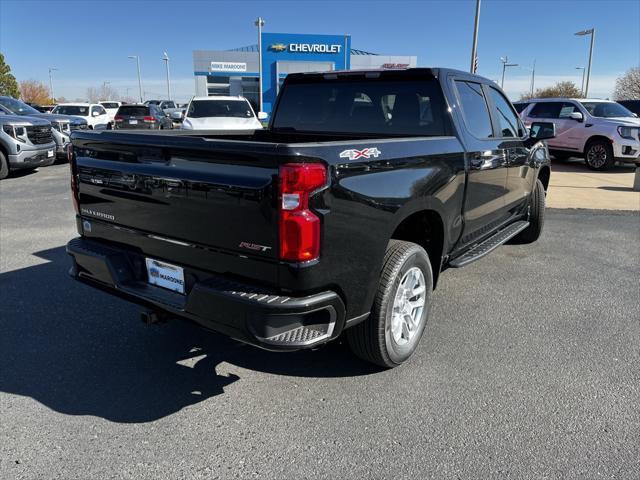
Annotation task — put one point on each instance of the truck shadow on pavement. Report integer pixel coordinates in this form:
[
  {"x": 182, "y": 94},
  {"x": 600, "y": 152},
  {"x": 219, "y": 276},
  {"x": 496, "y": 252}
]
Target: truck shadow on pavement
[{"x": 80, "y": 351}]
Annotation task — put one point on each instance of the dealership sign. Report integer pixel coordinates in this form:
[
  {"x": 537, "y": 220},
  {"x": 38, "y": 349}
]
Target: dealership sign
[
  {"x": 228, "y": 67},
  {"x": 306, "y": 47}
]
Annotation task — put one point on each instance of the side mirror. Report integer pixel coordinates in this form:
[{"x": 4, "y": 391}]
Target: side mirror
[
  {"x": 94, "y": 114},
  {"x": 262, "y": 116},
  {"x": 541, "y": 131},
  {"x": 577, "y": 116}
]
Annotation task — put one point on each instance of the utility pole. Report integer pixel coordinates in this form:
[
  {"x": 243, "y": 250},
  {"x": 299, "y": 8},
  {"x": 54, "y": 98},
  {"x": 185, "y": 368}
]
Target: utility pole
[
  {"x": 592, "y": 32},
  {"x": 505, "y": 64},
  {"x": 165, "y": 57},
  {"x": 137, "y": 59},
  {"x": 582, "y": 86},
  {"x": 474, "y": 48},
  {"x": 259, "y": 23},
  {"x": 53, "y": 95},
  {"x": 533, "y": 77}
]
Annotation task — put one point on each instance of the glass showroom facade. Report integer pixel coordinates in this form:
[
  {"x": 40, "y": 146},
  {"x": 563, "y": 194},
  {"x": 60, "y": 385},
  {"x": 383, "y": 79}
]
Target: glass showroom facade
[{"x": 236, "y": 72}]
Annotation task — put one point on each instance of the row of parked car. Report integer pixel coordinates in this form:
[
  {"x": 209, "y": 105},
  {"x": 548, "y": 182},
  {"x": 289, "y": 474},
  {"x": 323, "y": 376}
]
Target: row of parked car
[{"x": 600, "y": 131}]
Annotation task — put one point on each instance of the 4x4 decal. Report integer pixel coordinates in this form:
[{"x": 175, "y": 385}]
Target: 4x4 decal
[{"x": 354, "y": 154}]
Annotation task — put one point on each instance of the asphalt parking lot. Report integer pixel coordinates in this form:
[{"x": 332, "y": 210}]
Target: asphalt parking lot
[{"x": 529, "y": 368}]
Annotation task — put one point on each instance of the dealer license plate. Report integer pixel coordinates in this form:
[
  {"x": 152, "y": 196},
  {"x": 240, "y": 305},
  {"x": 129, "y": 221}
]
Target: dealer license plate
[
  {"x": 165, "y": 275},
  {"x": 133, "y": 122}
]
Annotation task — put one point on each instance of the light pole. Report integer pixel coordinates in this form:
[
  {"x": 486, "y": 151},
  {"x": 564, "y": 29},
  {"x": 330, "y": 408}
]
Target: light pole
[
  {"x": 53, "y": 96},
  {"x": 165, "y": 58},
  {"x": 137, "y": 59},
  {"x": 582, "y": 87},
  {"x": 592, "y": 32},
  {"x": 533, "y": 78},
  {"x": 505, "y": 64},
  {"x": 259, "y": 23},
  {"x": 474, "y": 48}
]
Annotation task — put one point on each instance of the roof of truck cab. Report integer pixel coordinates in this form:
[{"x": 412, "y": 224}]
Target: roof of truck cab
[
  {"x": 217, "y": 98},
  {"x": 432, "y": 71}
]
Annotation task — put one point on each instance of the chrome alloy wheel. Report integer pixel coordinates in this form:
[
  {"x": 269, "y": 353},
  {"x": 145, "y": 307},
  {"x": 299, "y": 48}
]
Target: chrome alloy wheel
[
  {"x": 408, "y": 306},
  {"x": 597, "y": 156}
]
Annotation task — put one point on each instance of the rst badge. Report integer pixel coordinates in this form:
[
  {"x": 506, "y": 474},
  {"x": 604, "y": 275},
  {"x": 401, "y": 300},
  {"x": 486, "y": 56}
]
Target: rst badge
[{"x": 353, "y": 154}]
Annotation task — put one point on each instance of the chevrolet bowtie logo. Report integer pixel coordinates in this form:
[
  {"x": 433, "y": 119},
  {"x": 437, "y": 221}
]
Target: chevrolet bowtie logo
[{"x": 278, "y": 47}]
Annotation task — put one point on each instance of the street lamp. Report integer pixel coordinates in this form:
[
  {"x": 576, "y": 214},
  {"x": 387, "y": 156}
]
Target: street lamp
[
  {"x": 533, "y": 78},
  {"x": 165, "y": 58},
  {"x": 259, "y": 23},
  {"x": 582, "y": 87},
  {"x": 137, "y": 59},
  {"x": 592, "y": 32},
  {"x": 53, "y": 96},
  {"x": 505, "y": 64},
  {"x": 474, "y": 48}
]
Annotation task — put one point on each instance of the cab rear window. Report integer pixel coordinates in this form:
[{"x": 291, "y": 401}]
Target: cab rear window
[
  {"x": 374, "y": 106},
  {"x": 133, "y": 111}
]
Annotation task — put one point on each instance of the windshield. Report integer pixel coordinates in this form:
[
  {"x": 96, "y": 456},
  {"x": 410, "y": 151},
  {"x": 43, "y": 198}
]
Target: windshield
[
  {"x": 18, "y": 107},
  {"x": 109, "y": 104},
  {"x": 81, "y": 110},
  {"x": 606, "y": 109},
  {"x": 220, "y": 108}
]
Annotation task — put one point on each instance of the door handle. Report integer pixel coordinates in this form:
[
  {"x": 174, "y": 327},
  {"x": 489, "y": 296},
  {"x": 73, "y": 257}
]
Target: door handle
[{"x": 488, "y": 159}]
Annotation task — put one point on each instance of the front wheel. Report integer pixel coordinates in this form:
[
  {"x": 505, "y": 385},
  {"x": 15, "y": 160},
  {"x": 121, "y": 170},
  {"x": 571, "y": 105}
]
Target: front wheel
[
  {"x": 4, "y": 166},
  {"x": 536, "y": 216},
  {"x": 599, "y": 155},
  {"x": 403, "y": 300}
]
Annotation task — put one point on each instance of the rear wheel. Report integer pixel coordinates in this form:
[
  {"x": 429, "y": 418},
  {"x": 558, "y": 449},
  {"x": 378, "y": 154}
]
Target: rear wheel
[
  {"x": 4, "y": 166},
  {"x": 393, "y": 330},
  {"x": 599, "y": 155}
]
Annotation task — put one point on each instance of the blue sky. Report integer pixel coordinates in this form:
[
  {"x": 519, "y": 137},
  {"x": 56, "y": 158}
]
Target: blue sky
[{"x": 89, "y": 41}]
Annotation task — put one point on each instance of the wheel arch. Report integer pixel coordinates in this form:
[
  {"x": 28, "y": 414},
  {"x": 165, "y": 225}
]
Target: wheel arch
[
  {"x": 426, "y": 228},
  {"x": 593, "y": 138}
]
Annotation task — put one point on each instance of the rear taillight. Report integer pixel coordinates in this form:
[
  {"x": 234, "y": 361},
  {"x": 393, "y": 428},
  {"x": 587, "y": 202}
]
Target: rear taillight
[
  {"x": 118, "y": 118},
  {"x": 149, "y": 119},
  {"x": 299, "y": 226},
  {"x": 75, "y": 195}
]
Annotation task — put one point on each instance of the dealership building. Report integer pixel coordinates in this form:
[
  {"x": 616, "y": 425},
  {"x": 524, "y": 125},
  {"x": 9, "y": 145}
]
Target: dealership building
[{"x": 236, "y": 71}]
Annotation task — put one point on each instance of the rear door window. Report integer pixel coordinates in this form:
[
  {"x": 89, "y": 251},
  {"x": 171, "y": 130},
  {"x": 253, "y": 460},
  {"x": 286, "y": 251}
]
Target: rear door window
[
  {"x": 567, "y": 109},
  {"x": 474, "y": 109},
  {"x": 546, "y": 110}
]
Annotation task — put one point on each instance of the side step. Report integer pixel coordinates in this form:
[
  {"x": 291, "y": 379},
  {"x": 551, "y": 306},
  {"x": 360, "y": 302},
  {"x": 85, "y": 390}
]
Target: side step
[{"x": 489, "y": 245}]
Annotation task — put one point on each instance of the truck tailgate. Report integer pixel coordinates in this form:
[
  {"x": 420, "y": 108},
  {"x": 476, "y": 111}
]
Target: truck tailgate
[{"x": 221, "y": 201}]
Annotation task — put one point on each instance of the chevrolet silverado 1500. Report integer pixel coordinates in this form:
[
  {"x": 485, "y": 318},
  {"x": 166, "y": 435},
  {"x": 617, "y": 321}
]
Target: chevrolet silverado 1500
[{"x": 337, "y": 218}]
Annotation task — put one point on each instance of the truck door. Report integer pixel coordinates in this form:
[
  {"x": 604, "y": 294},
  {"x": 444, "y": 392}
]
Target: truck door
[
  {"x": 509, "y": 129},
  {"x": 484, "y": 207}
]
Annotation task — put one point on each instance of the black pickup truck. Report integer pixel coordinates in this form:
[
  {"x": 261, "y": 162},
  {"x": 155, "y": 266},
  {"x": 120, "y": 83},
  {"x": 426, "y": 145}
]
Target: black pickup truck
[{"x": 337, "y": 218}]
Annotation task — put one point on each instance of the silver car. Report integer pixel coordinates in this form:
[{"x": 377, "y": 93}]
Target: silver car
[
  {"x": 600, "y": 131},
  {"x": 62, "y": 125}
]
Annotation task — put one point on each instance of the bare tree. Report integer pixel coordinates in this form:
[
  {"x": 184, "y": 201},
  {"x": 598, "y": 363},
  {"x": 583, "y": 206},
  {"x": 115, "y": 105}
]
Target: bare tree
[
  {"x": 560, "y": 89},
  {"x": 34, "y": 92},
  {"x": 104, "y": 92},
  {"x": 628, "y": 85},
  {"x": 93, "y": 94}
]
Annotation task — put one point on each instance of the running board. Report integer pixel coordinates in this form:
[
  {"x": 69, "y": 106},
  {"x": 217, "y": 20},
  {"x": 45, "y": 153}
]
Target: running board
[{"x": 489, "y": 245}]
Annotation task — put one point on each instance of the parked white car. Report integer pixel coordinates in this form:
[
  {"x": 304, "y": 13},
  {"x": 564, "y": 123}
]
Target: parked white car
[
  {"x": 94, "y": 113},
  {"x": 221, "y": 113},
  {"x": 111, "y": 106},
  {"x": 600, "y": 131}
]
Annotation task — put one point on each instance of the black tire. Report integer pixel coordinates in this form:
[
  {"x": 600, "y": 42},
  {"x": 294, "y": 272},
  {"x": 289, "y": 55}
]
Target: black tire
[
  {"x": 536, "y": 216},
  {"x": 4, "y": 166},
  {"x": 598, "y": 155},
  {"x": 372, "y": 340}
]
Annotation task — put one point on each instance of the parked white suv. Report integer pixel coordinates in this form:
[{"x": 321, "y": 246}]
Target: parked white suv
[
  {"x": 94, "y": 113},
  {"x": 600, "y": 131},
  {"x": 111, "y": 106},
  {"x": 221, "y": 113}
]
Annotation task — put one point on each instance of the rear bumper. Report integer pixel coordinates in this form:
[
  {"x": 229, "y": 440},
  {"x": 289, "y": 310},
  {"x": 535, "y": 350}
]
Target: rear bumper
[{"x": 247, "y": 313}]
